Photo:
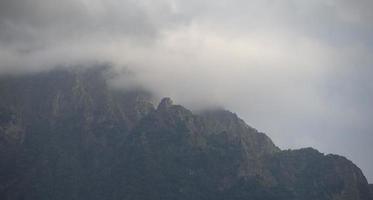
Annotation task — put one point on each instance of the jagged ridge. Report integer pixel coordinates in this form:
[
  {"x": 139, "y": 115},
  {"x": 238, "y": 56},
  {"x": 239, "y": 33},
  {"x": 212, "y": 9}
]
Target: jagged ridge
[{"x": 67, "y": 135}]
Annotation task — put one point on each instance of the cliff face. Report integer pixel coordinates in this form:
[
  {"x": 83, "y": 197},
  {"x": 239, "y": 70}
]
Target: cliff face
[
  {"x": 60, "y": 130},
  {"x": 67, "y": 135}
]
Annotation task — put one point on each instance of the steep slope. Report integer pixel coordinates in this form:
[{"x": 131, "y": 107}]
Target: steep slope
[
  {"x": 312, "y": 175},
  {"x": 60, "y": 130},
  {"x": 215, "y": 155},
  {"x": 184, "y": 156},
  {"x": 67, "y": 135}
]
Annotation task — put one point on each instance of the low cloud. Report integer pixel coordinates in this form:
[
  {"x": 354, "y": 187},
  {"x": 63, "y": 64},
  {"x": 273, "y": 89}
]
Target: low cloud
[{"x": 297, "y": 70}]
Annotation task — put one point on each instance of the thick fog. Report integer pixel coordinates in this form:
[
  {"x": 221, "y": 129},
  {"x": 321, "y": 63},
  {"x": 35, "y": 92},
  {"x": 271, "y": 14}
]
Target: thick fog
[{"x": 297, "y": 70}]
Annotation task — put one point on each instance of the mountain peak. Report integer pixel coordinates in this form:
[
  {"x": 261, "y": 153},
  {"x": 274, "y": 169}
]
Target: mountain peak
[
  {"x": 61, "y": 131},
  {"x": 165, "y": 103}
]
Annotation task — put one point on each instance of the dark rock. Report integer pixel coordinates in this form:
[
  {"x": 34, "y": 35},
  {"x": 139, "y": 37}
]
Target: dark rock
[
  {"x": 66, "y": 134},
  {"x": 165, "y": 103}
]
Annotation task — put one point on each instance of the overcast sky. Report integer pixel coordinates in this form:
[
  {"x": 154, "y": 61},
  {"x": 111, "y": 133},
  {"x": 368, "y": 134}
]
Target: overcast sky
[{"x": 298, "y": 70}]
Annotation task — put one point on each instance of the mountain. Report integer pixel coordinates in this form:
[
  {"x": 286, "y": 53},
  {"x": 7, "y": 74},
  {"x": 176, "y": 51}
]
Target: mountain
[{"x": 66, "y": 134}]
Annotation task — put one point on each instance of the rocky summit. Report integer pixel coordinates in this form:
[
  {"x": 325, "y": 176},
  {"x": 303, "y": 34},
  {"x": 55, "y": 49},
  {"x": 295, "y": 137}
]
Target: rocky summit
[{"x": 65, "y": 134}]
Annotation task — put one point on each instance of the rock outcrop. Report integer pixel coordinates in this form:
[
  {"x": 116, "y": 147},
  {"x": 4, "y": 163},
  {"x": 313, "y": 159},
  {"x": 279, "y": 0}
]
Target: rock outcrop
[{"x": 68, "y": 135}]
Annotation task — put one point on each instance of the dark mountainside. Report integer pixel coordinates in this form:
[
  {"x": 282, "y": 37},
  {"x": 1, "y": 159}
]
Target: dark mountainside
[{"x": 65, "y": 134}]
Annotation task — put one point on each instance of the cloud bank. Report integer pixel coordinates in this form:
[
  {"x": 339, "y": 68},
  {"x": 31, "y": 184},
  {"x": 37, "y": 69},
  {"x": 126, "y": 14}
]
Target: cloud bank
[{"x": 298, "y": 70}]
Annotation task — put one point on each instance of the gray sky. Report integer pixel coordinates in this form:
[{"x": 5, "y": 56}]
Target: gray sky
[{"x": 298, "y": 70}]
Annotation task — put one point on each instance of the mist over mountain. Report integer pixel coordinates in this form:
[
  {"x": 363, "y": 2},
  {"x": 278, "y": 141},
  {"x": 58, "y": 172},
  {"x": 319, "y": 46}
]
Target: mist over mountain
[
  {"x": 68, "y": 134},
  {"x": 298, "y": 70}
]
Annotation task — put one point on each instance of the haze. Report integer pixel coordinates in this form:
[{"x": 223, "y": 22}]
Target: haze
[{"x": 297, "y": 70}]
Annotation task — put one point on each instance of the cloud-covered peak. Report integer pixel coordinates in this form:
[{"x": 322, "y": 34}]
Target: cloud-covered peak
[{"x": 298, "y": 70}]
